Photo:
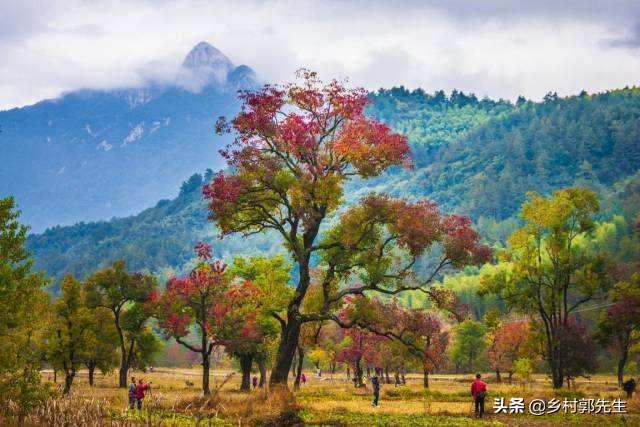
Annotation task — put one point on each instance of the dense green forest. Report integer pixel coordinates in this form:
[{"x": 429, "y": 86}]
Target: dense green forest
[{"x": 478, "y": 157}]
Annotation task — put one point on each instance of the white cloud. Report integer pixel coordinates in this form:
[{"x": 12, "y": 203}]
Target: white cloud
[{"x": 491, "y": 47}]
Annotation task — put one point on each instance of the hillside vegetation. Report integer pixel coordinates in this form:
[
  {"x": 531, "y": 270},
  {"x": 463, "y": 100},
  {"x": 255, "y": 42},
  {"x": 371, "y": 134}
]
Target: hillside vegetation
[{"x": 475, "y": 156}]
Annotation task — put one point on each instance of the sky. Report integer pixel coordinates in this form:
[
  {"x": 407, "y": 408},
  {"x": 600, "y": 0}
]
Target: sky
[{"x": 496, "y": 48}]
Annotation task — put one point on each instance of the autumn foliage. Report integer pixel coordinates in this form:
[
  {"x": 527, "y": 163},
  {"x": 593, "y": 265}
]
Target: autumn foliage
[
  {"x": 295, "y": 147},
  {"x": 508, "y": 345},
  {"x": 224, "y": 310}
]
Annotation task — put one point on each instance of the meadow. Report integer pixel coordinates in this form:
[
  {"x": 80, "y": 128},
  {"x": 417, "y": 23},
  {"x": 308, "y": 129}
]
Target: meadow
[{"x": 175, "y": 400}]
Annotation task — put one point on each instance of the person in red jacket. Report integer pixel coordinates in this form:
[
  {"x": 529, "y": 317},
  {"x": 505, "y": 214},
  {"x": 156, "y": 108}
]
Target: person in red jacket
[
  {"x": 140, "y": 389},
  {"x": 479, "y": 392}
]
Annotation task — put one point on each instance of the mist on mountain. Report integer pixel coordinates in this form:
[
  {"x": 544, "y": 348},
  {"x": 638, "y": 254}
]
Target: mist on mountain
[{"x": 95, "y": 154}]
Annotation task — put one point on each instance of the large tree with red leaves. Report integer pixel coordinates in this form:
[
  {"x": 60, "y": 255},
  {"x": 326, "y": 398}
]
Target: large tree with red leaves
[
  {"x": 296, "y": 146},
  {"x": 191, "y": 302}
]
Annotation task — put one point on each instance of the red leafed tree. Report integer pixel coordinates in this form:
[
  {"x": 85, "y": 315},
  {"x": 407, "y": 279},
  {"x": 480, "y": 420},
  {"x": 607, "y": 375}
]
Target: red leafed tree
[
  {"x": 187, "y": 302},
  {"x": 579, "y": 349},
  {"x": 296, "y": 146},
  {"x": 418, "y": 330},
  {"x": 507, "y": 346},
  {"x": 388, "y": 323},
  {"x": 361, "y": 347},
  {"x": 619, "y": 325},
  {"x": 241, "y": 326},
  {"x": 422, "y": 333}
]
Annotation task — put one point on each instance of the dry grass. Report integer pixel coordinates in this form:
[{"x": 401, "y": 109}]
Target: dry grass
[{"x": 175, "y": 400}]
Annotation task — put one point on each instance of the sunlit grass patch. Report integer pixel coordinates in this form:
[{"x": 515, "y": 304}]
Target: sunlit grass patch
[
  {"x": 384, "y": 419},
  {"x": 319, "y": 402}
]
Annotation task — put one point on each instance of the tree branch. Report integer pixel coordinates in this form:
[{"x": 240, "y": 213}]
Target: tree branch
[{"x": 187, "y": 345}]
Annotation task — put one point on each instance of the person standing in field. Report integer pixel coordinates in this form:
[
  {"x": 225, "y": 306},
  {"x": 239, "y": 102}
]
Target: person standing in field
[
  {"x": 375, "y": 386},
  {"x": 254, "y": 382},
  {"x": 140, "y": 390},
  {"x": 303, "y": 378},
  {"x": 132, "y": 393},
  {"x": 479, "y": 392}
]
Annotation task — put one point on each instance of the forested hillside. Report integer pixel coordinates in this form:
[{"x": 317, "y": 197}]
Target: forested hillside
[
  {"x": 476, "y": 156},
  {"x": 495, "y": 152}
]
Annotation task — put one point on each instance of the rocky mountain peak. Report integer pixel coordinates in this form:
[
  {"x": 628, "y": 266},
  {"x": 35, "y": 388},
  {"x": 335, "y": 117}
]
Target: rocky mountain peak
[{"x": 203, "y": 55}]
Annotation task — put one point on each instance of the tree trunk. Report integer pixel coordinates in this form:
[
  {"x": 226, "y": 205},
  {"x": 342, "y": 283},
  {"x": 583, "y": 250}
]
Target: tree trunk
[
  {"x": 92, "y": 369},
  {"x": 425, "y": 378},
  {"x": 558, "y": 381},
  {"x": 246, "y": 360},
  {"x": 555, "y": 363},
  {"x": 263, "y": 373},
  {"x": 368, "y": 371},
  {"x": 621, "y": 364},
  {"x": 348, "y": 372},
  {"x": 291, "y": 329},
  {"x": 206, "y": 363},
  {"x": 386, "y": 375},
  {"x": 396, "y": 377},
  {"x": 205, "y": 346},
  {"x": 557, "y": 374},
  {"x": 296, "y": 383},
  {"x": 357, "y": 374},
  {"x": 404, "y": 381},
  {"x": 124, "y": 360},
  {"x": 68, "y": 381},
  {"x": 498, "y": 377},
  {"x": 124, "y": 369},
  {"x": 293, "y": 365},
  {"x": 286, "y": 350}
]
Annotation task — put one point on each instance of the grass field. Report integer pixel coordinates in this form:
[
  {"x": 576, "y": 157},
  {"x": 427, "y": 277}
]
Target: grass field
[{"x": 328, "y": 402}]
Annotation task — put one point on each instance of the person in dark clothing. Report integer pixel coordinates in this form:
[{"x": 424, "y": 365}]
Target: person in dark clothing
[
  {"x": 479, "y": 392},
  {"x": 255, "y": 382},
  {"x": 375, "y": 385},
  {"x": 132, "y": 394},
  {"x": 629, "y": 387}
]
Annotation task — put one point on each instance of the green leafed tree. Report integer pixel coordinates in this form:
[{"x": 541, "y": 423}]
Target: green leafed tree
[
  {"x": 548, "y": 269},
  {"x": 124, "y": 294},
  {"x": 102, "y": 344},
  {"x": 22, "y": 302},
  {"x": 271, "y": 275},
  {"x": 69, "y": 333},
  {"x": 468, "y": 347},
  {"x": 141, "y": 341}
]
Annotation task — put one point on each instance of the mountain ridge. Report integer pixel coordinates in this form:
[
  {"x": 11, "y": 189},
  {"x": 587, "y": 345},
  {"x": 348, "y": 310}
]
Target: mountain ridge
[{"x": 97, "y": 154}]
